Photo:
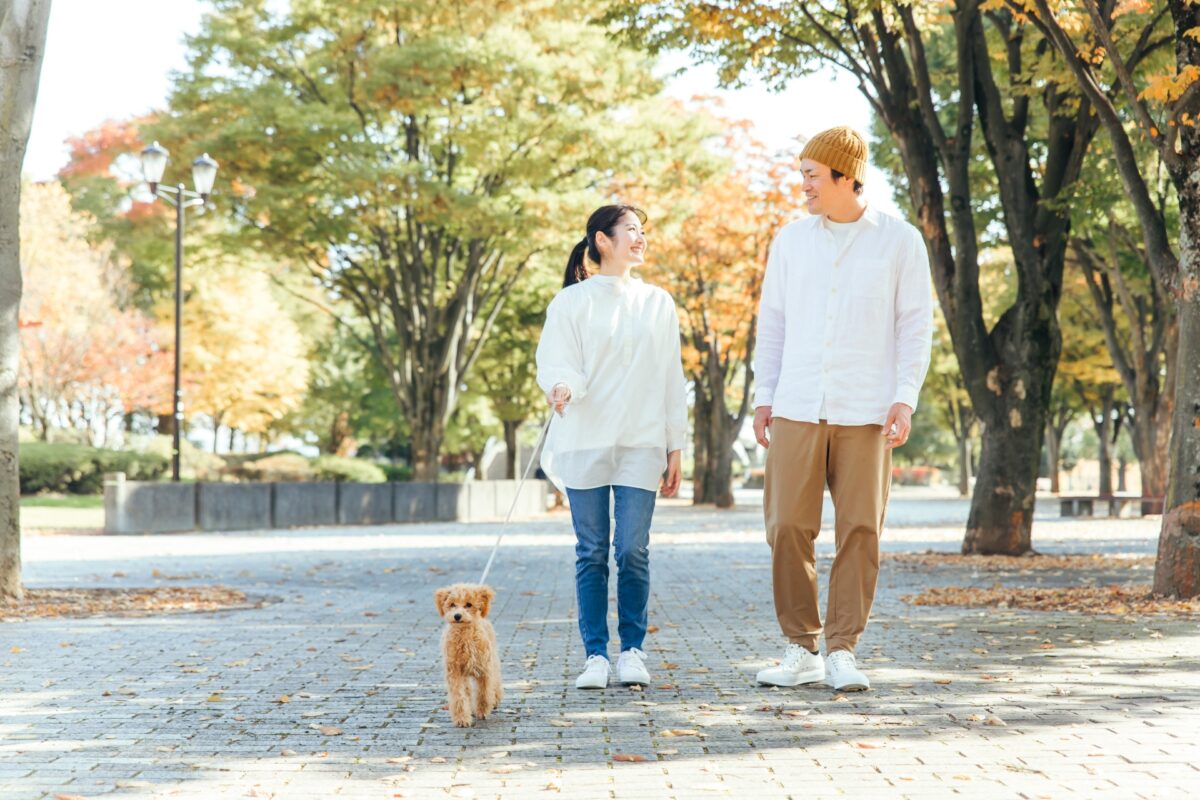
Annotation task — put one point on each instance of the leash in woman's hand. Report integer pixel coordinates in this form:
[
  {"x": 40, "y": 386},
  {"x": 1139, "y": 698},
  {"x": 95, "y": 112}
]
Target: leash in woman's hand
[{"x": 516, "y": 497}]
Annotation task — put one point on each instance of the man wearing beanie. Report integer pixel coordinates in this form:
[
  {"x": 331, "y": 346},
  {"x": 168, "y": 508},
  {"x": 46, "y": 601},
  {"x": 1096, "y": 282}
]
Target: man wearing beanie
[{"x": 844, "y": 332}]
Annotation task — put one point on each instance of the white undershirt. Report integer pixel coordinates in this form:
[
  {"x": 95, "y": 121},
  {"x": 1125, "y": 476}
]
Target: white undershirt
[{"x": 843, "y": 235}]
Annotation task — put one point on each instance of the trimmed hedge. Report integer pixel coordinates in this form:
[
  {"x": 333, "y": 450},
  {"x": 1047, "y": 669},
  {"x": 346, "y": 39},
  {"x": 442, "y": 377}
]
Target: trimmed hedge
[
  {"x": 397, "y": 473},
  {"x": 79, "y": 469},
  {"x": 337, "y": 468}
]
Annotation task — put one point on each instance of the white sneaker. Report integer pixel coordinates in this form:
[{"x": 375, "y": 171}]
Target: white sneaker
[
  {"x": 844, "y": 674},
  {"x": 631, "y": 667},
  {"x": 594, "y": 675},
  {"x": 798, "y": 666}
]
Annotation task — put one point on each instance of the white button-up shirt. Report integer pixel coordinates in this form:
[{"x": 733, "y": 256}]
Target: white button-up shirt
[{"x": 843, "y": 333}]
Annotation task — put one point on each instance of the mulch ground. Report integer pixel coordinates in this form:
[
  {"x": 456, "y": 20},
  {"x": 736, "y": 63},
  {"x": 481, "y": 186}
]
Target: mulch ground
[
  {"x": 43, "y": 603},
  {"x": 1109, "y": 600}
]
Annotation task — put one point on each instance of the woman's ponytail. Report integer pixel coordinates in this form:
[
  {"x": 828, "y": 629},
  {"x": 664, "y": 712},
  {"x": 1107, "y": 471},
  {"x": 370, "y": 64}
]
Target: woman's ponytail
[
  {"x": 603, "y": 219},
  {"x": 576, "y": 271}
]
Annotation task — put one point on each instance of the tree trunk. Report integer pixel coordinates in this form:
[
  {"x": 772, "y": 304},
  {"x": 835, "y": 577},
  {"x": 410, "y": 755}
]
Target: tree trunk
[
  {"x": 1103, "y": 426},
  {"x": 701, "y": 474},
  {"x": 22, "y": 43},
  {"x": 1054, "y": 450},
  {"x": 1121, "y": 466},
  {"x": 217, "y": 433},
  {"x": 1151, "y": 437},
  {"x": 964, "y": 464},
  {"x": 511, "y": 427},
  {"x": 1001, "y": 517},
  {"x": 1177, "y": 569},
  {"x": 720, "y": 456}
]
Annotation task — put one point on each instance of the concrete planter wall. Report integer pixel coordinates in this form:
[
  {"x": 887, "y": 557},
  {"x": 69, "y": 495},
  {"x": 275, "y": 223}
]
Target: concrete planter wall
[{"x": 143, "y": 507}]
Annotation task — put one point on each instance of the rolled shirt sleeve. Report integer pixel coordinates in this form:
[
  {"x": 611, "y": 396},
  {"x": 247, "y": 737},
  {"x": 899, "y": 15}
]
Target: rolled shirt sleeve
[{"x": 914, "y": 322}]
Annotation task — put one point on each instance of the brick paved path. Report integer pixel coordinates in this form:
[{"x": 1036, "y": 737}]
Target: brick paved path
[{"x": 964, "y": 702}]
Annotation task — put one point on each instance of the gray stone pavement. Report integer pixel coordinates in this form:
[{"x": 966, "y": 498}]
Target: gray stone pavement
[{"x": 984, "y": 704}]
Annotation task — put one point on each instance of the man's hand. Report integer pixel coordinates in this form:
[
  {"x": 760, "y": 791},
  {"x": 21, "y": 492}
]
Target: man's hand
[
  {"x": 762, "y": 424},
  {"x": 674, "y": 473},
  {"x": 898, "y": 425},
  {"x": 559, "y": 396}
]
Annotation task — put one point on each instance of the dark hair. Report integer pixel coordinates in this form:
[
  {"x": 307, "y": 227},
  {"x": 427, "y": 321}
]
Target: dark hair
[
  {"x": 604, "y": 218},
  {"x": 858, "y": 187}
]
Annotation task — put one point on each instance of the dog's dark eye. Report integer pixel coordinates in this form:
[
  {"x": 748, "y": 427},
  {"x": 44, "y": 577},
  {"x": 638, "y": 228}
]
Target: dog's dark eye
[{"x": 468, "y": 605}]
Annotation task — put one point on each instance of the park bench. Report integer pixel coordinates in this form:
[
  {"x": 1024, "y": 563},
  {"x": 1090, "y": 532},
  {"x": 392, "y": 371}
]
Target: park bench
[{"x": 1085, "y": 505}]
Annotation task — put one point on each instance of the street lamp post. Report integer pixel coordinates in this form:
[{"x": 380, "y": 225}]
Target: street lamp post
[{"x": 204, "y": 172}]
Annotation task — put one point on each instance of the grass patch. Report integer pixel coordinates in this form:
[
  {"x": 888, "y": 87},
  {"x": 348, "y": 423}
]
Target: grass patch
[{"x": 63, "y": 501}]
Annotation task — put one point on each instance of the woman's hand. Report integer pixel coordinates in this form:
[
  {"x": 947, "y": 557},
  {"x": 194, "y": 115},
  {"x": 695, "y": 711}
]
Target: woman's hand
[
  {"x": 674, "y": 473},
  {"x": 559, "y": 396}
]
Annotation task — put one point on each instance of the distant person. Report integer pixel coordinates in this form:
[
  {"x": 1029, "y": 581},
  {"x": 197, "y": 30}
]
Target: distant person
[
  {"x": 609, "y": 362},
  {"x": 844, "y": 331}
]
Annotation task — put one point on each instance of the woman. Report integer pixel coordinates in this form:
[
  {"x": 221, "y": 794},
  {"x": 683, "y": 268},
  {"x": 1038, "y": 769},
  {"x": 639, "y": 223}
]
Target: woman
[{"x": 609, "y": 362}]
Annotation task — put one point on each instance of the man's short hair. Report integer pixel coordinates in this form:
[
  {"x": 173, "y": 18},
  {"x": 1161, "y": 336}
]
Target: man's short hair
[{"x": 858, "y": 187}]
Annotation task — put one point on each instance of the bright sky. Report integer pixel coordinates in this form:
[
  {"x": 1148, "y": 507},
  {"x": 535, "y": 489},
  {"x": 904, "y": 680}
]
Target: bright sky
[{"x": 112, "y": 60}]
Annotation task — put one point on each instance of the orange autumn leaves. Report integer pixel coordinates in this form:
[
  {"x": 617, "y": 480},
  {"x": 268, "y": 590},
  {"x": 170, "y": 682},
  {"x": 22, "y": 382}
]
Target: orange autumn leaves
[
  {"x": 713, "y": 258},
  {"x": 84, "y": 359}
]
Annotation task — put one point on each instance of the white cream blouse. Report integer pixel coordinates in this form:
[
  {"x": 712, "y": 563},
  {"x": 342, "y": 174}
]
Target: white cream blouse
[{"x": 614, "y": 342}]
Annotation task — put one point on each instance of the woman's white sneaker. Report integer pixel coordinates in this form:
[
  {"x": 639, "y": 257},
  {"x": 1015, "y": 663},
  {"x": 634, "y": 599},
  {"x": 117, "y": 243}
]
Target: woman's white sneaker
[
  {"x": 631, "y": 667},
  {"x": 594, "y": 675},
  {"x": 844, "y": 674},
  {"x": 798, "y": 666}
]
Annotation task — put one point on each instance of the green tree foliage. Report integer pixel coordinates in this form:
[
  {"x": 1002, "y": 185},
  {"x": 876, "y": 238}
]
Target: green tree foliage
[{"x": 416, "y": 156}]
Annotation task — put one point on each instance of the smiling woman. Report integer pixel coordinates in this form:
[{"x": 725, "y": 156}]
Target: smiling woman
[{"x": 609, "y": 361}]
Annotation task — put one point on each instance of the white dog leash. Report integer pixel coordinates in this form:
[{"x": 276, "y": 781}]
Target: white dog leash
[{"x": 516, "y": 498}]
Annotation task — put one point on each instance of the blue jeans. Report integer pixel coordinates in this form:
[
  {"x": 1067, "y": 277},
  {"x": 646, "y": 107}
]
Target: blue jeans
[{"x": 633, "y": 509}]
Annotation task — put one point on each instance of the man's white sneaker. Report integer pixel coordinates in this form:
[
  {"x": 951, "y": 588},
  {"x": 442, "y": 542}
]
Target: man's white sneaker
[
  {"x": 594, "y": 675},
  {"x": 844, "y": 674},
  {"x": 798, "y": 666},
  {"x": 631, "y": 667}
]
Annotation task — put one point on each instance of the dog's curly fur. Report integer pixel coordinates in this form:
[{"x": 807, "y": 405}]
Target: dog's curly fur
[{"x": 473, "y": 681}]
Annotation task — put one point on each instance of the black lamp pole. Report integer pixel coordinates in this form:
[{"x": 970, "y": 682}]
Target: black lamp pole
[
  {"x": 204, "y": 171},
  {"x": 177, "y": 405}
]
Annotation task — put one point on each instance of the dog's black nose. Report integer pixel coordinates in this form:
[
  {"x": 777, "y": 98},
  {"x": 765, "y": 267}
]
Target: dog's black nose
[{"x": 458, "y": 617}]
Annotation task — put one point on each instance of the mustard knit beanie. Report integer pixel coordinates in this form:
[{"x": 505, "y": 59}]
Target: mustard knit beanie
[{"x": 841, "y": 148}]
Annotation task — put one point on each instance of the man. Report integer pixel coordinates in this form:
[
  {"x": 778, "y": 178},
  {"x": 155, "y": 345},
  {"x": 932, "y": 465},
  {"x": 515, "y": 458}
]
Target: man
[{"x": 844, "y": 333}]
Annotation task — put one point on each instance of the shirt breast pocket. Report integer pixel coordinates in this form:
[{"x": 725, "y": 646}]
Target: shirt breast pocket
[{"x": 868, "y": 278}]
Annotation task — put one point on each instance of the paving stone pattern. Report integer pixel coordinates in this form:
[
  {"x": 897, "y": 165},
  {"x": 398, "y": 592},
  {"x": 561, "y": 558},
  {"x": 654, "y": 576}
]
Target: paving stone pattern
[{"x": 980, "y": 704}]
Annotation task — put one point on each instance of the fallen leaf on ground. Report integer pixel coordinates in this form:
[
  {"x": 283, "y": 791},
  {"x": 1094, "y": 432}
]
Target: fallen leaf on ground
[
  {"x": 1010, "y": 564},
  {"x": 283, "y": 698},
  {"x": 680, "y": 732},
  {"x": 1107, "y": 600},
  {"x": 562, "y": 723},
  {"x": 943, "y": 681},
  {"x": 628, "y": 757},
  {"x": 41, "y": 603},
  {"x": 329, "y": 730}
]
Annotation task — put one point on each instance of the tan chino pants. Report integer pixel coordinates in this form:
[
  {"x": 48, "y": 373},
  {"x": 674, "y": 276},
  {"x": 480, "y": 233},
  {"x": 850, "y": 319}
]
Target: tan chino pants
[{"x": 802, "y": 458}]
